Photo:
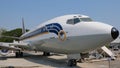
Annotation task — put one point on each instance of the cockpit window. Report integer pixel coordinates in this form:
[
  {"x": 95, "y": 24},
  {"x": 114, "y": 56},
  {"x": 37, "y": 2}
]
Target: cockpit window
[
  {"x": 76, "y": 20},
  {"x": 73, "y": 21},
  {"x": 86, "y": 19},
  {"x": 70, "y": 21}
]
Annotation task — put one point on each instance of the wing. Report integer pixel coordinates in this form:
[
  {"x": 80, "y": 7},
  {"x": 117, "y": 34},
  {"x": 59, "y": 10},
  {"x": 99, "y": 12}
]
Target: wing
[
  {"x": 22, "y": 46},
  {"x": 15, "y": 46},
  {"x": 8, "y": 47}
]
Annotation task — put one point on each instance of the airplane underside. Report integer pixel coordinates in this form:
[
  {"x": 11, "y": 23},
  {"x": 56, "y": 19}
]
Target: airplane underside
[{"x": 72, "y": 44}]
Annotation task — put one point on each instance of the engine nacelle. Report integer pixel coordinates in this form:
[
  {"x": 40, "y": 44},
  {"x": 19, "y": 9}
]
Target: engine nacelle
[{"x": 4, "y": 52}]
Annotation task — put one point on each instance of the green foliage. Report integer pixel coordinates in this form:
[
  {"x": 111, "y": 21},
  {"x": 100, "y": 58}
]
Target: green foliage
[
  {"x": 2, "y": 30},
  {"x": 13, "y": 33},
  {"x": 16, "y": 32}
]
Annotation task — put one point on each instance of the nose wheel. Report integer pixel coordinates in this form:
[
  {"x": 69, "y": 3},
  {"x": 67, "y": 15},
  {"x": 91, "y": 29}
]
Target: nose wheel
[
  {"x": 72, "y": 62},
  {"x": 46, "y": 53},
  {"x": 18, "y": 54}
]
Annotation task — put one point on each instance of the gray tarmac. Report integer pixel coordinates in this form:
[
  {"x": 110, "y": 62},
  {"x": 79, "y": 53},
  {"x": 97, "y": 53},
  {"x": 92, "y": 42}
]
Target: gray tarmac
[{"x": 36, "y": 60}]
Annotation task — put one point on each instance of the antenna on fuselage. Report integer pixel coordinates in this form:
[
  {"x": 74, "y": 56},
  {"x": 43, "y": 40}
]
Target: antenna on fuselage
[{"x": 23, "y": 26}]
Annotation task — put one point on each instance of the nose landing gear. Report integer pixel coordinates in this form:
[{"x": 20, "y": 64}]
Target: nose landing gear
[
  {"x": 72, "y": 62},
  {"x": 19, "y": 54}
]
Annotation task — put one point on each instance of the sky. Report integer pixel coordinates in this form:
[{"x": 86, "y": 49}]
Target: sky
[{"x": 35, "y": 12}]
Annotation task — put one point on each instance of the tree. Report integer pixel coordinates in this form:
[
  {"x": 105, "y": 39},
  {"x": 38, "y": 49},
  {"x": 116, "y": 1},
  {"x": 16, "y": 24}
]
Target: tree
[
  {"x": 13, "y": 33},
  {"x": 2, "y": 30}
]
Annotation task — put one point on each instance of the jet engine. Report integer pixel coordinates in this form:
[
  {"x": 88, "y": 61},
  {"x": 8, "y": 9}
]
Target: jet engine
[{"x": 4, "y": 52}]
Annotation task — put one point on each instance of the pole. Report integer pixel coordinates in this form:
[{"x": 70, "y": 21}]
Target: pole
[{"x": 109, "y": 59}]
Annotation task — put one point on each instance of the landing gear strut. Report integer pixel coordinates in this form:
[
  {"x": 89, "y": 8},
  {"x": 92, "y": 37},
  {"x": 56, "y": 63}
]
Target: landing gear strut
[
  {"x": 72, "y": 59},
  {"x": 19, "y": 54},
  {"x": 72, "y": 62},
  {"x": 46, "y": 53}
]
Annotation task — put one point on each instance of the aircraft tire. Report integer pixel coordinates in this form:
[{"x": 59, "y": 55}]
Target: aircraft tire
[
  {"x": 21, "y": 54},
  {"x": 46, "y": 53},
  {"x": 72, "y": 62},
  {"x": 18, "y": 54}
]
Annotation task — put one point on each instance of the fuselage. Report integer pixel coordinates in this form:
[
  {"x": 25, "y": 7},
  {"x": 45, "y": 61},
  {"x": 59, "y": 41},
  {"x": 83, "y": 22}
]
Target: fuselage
[{"x": 70, "y": 34}]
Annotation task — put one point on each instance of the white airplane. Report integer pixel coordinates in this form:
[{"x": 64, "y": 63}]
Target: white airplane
[
  {"x": 5, "y": 50},
  {"x": 68, "y": 34}
]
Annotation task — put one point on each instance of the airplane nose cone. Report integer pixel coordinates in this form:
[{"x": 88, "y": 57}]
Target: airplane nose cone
[{"x": 114, "y": 33}]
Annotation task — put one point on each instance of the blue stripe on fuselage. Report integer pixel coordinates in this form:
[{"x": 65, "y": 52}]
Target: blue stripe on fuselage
[
  {"x": 54, "y": 28},
  {"x": 51, "y": 28}
]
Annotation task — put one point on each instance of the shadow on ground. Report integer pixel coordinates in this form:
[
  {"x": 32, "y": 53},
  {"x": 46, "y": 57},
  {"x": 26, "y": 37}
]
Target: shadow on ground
[{"x": 44, "y": 60}]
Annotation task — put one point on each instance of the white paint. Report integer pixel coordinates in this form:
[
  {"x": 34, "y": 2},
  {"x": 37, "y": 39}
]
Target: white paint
[{"x": 81, "y": 37}]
